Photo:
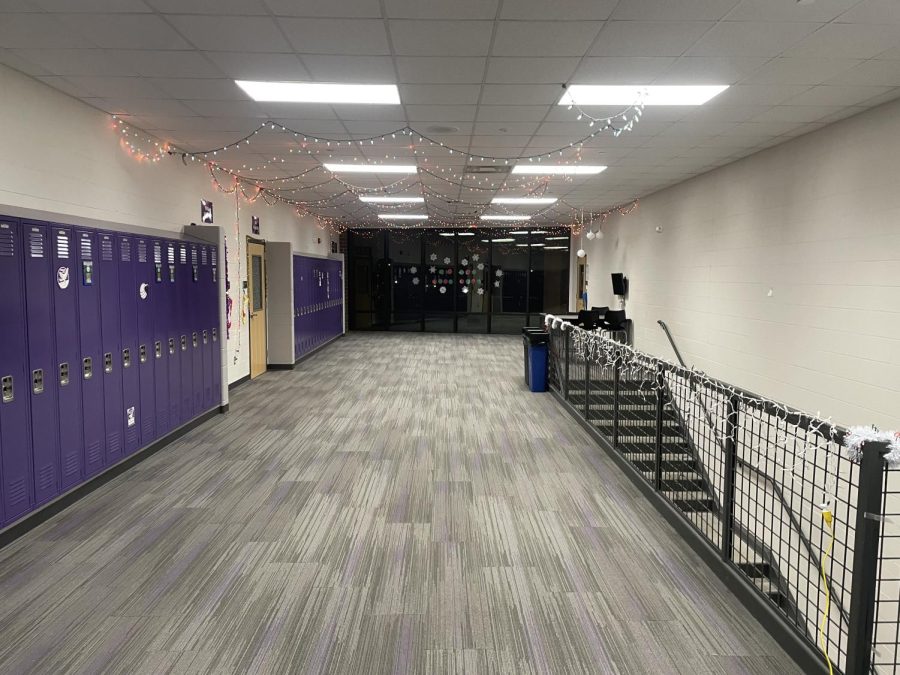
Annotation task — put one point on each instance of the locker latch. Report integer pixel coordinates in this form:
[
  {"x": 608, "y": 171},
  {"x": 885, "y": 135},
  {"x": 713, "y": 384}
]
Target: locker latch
[
  {"x": 37, "y": 381},
  {"x": 215, "y": 274},
  {"x": 87, "y": 367},
  {"x": 87, "y": 273},
  {"x": 171, "y": 345},
  {"x": 172, "y": 273},
  {"x": 126, "y": 357},
  {"x": 63, "y": 374},
  {"x": 6, "y": 386},
  {"x": 157, "y": 349},
  {"x": 107, "y": 362},
  {"x": 206, "y": 337},
  {"x": 184, "y": 343},
  {"x": 158, "y": 272},
  {"x": 194, "y": 340},
  {"x": 215, "y": 332},
  {"x": 143, "y": 353},
  {"x": 196, "y": 273}
]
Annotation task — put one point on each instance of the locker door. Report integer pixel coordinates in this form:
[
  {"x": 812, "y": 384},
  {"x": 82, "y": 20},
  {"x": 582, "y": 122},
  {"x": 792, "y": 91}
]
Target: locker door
[
  {"x": 64, "y": 274},
  {"x": 207, "y": 312},
  {"x": 183, "y": 286},
  {"x": 172, "y": 346},
  {"x": 110, "y": 366},
  {"x": 41, "y": 361},
  {"x": 144, "y": 287},
  {"x": 128, "y": 357},
  {"x": 90, "y": 365},
  {"x": 195, "y": 325},
  {"x": 15, "y": 385},
  {"x": 160, "y": 307},
  {"x": 295, "y": 269},
  {"x": 217, "y": 339}
]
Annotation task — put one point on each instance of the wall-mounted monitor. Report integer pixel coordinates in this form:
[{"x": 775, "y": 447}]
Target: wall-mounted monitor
[{"x": 619, "y": 284}]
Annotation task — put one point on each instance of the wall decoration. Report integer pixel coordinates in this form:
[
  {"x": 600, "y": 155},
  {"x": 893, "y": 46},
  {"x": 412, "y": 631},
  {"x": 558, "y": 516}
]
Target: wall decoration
[
  {"x": 254, "y": 224},
  {"x": 206, "y": 211}
]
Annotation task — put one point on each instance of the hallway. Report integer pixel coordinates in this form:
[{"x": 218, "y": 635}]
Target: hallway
[{"x": 394, "y": 504}]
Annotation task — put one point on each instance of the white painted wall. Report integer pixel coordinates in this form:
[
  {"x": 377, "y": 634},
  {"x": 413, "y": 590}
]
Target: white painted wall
[
  {"x": 817, "y": 220},
  {"x": 61, "y": 158}
]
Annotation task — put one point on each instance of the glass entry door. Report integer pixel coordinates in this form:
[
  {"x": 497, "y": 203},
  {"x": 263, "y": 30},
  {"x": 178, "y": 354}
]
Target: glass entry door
[{"x": 442, "y": 276}]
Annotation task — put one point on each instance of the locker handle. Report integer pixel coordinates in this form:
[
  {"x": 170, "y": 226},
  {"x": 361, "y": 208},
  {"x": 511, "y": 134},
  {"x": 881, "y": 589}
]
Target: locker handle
[
  {"x": 87, "y": 367},
  {"x": 184, "y": 343},
  {"x": 171, "y": 345},
  {"x": 6, "y": 386},
  {"x": 194, "y": 340},
  {"x": 206, "y": 337},
  {"x": 126, "y": 357},
  {"x": 63, "y": 374},
  {"x": 143, "y": 353},
  {"x": 37, "y": 381},
  {"x": 107, "y": 362},
  {"x": 215, "y": 334},
  {"x": 157, "y": 349}
]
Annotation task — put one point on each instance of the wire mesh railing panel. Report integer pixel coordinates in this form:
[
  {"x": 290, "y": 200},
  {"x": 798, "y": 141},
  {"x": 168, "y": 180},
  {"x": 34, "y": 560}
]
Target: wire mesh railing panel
[{"x": 768, "y": 486}]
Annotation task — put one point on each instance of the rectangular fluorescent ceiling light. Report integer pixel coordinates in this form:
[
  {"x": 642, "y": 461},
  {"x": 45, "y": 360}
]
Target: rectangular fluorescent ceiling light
[
  {"x": 465, "y": 234},
  {"x": 557, "y": 238},
  {"x": 502, "y": 241},
  {"x": 402, "y": 216},
  {"x": 321, "y": 92},
  {"x": 498, "y": 216},
  {"x": 371, "y": 199},
  {"x": 519, "y": 232},
  {"x": 590, "y": 94},
  {"x": 556, "y": 248},
  {"x": 526, "y": 245},
  {"x": 556, "y": 169},
  {"x": 371, "y": 168},
  {"x": 523, "y": 200}
]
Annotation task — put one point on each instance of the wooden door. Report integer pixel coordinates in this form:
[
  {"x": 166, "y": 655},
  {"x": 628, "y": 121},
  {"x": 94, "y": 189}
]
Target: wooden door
[{"x": 256, "y": 289}]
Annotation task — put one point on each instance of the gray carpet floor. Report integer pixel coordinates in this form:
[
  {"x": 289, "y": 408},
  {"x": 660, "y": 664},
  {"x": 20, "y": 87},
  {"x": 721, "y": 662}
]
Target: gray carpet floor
[{"x": 396, "y": 504}]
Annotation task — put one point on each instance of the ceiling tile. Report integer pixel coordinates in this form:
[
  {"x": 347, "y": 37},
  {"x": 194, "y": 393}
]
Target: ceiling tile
[
  {"x": 87, "y": 62},
  {"x": 751, "y": 38},
  {"x": 537, "y": 38},
  {"x": 143, "y": 106},
  {"x": 710, "y": 69},
  {"x": 648, "y": 38},
  {"x": 440, "y": 113},
  {"x": 126, "y": 31},
  {"x": 510, "y": 113},
  {"x": 570, "y": 10},
  {"x": 165, "y": 63},
  {"x": 439, "y": 94},
  {"x": 437, "y": 69},
  {"x": 16, "y": 61},
  {"x": 117, "y": 87},
  {"x": 795, "y": 113},
  {"x": 779, "y": 10},
  {"x": 873, "y": 72},
  {"x": 654, "y": 10},
  {"x": 250, "y": 66},
  {"x": 832, "y": 95},
  {"x": 119, "y": 6},
  {"x": 520, "y": 128},
  {"x": 249, "y": 109},
  {"x": 515, "y": 70},
  {"x": 239, "y": 34},
  {"x": 39, "y": 31},
  {"x": 521, "y": 94},
  {"x": 440, "y": 9},
  {"x": 441, "y": 38},
  {"x": 357, "y": 9},
  {"x": 848, "y": 40},
  {"x": 800, "y": 71},
  {"x": 336, "y": 36},
  {"x": 66, "y": 87},
  {"x": 759, "y": 94},
  {"x": 359, "y": 69},
  {"x": 215, "y": 7},
  {"x": 621, "y": 70},
  {"x": 218, "y": 89},
  {"x": 873, "y": 11}
]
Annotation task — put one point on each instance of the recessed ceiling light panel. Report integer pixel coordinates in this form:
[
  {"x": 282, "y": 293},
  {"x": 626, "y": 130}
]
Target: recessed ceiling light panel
[
  {"x": 524, "y": 200},
  {"x": 403, "y": 216},
  {"x": 321, "y": 92},
  {"x": 556, "y": 169},
  {"x": 590, "y": 94},
  {"x": 373, "y": 199},
  {"x": 499, "y": 216},
  {"x": 371, "y": 168}
]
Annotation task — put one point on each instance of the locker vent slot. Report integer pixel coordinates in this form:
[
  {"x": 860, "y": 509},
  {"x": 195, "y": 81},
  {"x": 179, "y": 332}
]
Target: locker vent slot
[
  {"x": 171, "y": 254},
  {"x": 71, "y": 465},
  {"x": 142, "y": 251},
  {"x": 46, "y": 477},
  {"x": 214, "y": 256},
  {"x": 157, "y": 252},
  {"x": 94, "y": 453},
  {"x": 182, "y": 255},
  {"x": 86, "y": 248},
  {"x": 131, "y": 436},
  {"x": 7, "y": 241},
  {"x": 204, "y": 258},
  {"x": 17, "y": 492},
  {"x": 106, "y": 248},
  {"x": 147, "y": 428},
  {"x": 62, "y": 245},
  {"x": 125, "y": 250},
  {"x": 193, "y": 256},
  {"x": 36, "y": 244},
  {"x": 114, "y": 443}
]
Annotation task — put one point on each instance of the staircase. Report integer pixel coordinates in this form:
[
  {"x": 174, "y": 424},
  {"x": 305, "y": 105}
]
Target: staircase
[{"x": 683, "y": 477}]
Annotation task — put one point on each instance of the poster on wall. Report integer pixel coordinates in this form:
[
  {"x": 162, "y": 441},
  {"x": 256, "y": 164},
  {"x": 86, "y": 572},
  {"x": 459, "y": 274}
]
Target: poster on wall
[
  {"x": 334, "y": 247},
  {"x": 206, "y": 211},
  {"x": 254, "y": 224}
]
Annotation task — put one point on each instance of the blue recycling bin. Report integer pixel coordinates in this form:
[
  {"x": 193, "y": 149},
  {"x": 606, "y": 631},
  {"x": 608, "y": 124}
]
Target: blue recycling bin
[{"x": 536, "y": 344}]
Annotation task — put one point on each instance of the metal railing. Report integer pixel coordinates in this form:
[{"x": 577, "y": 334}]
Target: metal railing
[{"x": 752, "y": 477}]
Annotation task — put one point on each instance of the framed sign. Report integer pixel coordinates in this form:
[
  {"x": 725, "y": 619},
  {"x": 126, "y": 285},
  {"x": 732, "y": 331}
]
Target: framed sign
[
  {"x": 334, "y": 247},
  {"x": 254, "y": 224},
  {"x": 206, "y": 211}
]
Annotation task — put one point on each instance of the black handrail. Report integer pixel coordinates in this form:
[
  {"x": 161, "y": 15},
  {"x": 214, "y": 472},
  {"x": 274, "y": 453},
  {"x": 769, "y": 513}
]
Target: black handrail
[{"x": 807, "y": 544}]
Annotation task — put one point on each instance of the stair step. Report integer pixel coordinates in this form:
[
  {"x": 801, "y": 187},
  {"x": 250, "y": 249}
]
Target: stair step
[
  {"x": 755, "y": 569},
  {"x": 638, "y": 434},
  {"x": 690, "y": 501}
]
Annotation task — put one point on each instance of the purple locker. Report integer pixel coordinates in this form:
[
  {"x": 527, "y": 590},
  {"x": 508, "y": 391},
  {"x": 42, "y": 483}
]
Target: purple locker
[
  {"x": 195, "y": 325},
  {"x": 64, "y": 274},
  {"x": 295, "y": 269},
  {"x": 91, "y": 364},
  {"x": 183, "y": 287},
  {"x": 129, "y": 357},
  {"x": 15, "y": 427},
  {"x": 144, "y": 289},
  {"x": 216, "y": 339},
  {"x": 172, "y": 346},
  {"x": 207, "y": 314},
  {"x": 111, "y": 346},
  {"x": 41, "y": 361}
]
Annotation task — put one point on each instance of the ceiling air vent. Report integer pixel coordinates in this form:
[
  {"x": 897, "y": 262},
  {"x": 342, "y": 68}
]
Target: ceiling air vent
[{"x": 487, "y": 169}]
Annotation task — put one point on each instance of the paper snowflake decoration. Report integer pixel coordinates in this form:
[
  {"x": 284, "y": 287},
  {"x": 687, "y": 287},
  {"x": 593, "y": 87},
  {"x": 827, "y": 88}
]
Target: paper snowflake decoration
[
  {"x": 480, "y": 291},
  {"x": 464, "y": 261},
  {"x": 481, "y": 266},
  {"x": 413, "y": 270},
  {"x": 499, "y": 273},
  {"x": 447, "y": 261},
  {"x": 433, "y": 257},
  {"x": 476, "y": 257},
  {"x": 497, "y": 284},
  {"x": 432, "y": 269},
  {"x": 465, "y": 289},
  {"x": 415, "y": 281},
  {"x": 443, "y": 289}
]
